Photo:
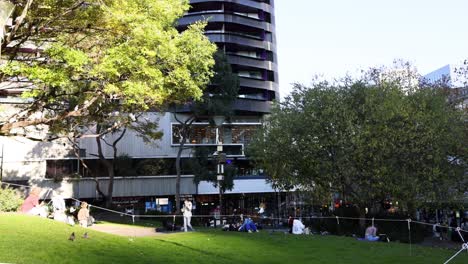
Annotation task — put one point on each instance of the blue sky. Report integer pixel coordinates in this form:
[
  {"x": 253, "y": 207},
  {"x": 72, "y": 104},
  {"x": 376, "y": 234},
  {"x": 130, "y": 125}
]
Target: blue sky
[{"x": 335, "y": 37}]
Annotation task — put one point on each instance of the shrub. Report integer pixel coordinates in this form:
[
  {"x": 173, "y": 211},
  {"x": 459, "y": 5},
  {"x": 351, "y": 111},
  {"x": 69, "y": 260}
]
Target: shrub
[{"x": 10, "y": 201}]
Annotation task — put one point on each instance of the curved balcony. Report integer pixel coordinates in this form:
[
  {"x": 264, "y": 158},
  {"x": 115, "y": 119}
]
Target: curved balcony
[
  {"x": 252, "y": 62},
  {"x": 244, "y": 105},
  {"x": 226, "y": 18},
  {"x": 247, "y": 105},
  {"x": 228, "y": 37},
  {"x": 262, "y": 6},
  {"x": 259, "y": 84}
]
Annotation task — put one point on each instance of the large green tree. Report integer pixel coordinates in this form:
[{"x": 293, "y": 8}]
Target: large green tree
[
  {"x": 218, "y": 99},
  {"x": 93, "y": 53},
  {"x": 367, "y": 140}
]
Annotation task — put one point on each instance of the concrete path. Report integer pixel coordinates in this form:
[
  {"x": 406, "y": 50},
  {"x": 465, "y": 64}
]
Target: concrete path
[{"x": 128, "y": 231}]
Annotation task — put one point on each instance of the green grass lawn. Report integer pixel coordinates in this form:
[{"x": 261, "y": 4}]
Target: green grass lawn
[{"x": 26, "y": 239}]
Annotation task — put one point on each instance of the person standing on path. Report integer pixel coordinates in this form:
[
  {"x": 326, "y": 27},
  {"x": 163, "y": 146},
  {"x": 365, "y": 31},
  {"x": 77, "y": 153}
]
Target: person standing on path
[{"x": 187, "y": 213}]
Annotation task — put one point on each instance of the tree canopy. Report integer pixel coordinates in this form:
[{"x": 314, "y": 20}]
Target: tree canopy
[
  {"x": 88, "y": 55},
  {"x": 367, "y": 141}
]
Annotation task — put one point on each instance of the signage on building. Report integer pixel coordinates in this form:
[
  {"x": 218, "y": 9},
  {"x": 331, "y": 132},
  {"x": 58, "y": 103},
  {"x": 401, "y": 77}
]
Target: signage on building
[{"x": 126, "y": 201}]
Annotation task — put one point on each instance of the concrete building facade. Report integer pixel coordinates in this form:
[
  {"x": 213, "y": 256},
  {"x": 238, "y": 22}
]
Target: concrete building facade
[{"x": 245, "y": 31}]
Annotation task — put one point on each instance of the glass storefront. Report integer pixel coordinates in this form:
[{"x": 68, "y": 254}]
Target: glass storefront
[{"x": 203, "y": 134}]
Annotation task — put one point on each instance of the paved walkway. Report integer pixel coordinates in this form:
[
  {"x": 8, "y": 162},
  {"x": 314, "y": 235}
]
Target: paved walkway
[{"x": 128, "y": 231}]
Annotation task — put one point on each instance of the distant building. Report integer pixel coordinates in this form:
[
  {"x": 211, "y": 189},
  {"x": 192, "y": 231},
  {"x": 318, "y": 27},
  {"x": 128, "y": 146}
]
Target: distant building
[
  {"x": 449, "y": 74},
  {"x": 456, "y": 82}
]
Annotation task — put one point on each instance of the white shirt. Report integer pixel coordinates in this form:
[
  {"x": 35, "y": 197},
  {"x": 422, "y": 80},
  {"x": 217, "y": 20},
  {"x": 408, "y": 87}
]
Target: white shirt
[
  {"x": 59, "y": 203},
  {"x": 298, "y": 227},
  {"x": 187, "y": 208}
]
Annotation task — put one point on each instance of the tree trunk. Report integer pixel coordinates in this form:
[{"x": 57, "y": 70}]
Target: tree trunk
[
  {"x": 362, "y": 215},
  {"x": 183, "y": 134},
  {"x": 178, "y": 170},
  {"x": 110, "y": 172},
  {"x": 76, "y": 150},
  {"x": 110, "y": 187},
  {"x": 278, "y": 194},
  {"x": 411, "y": 210},
  {"x": 108, "y": 164}
]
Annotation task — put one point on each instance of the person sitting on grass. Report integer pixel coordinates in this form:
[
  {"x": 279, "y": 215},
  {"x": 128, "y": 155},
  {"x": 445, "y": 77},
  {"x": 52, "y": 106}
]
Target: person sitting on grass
[
  {"x": 248, "y": 226},
  {"x": 31, "y": 204},
  {"x": 83, "y": 214},
  {"x": 371, "y": 233},
  {"x": 290, "y": 224},
  {"x": 232, "y": 226},
  {"x": 58, "y": 204},
  {"x": 298, "y": 227}
]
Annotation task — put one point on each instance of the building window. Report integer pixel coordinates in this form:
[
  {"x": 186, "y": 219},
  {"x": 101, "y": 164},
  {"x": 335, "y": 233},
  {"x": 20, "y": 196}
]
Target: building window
[
  {"x": 242, "y": 134},
  {"x": 200, "y": 134},
  {"x": 203, "y": 134},
  {"x": 61, "y": 168}
]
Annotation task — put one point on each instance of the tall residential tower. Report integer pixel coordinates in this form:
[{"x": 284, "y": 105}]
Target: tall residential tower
[{"x": 245, "y": 31}]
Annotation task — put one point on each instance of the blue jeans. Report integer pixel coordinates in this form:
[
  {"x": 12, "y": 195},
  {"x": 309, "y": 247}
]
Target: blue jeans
[
  {"x": 248, "y": 226},
  {"x": 372, "y": 238}
]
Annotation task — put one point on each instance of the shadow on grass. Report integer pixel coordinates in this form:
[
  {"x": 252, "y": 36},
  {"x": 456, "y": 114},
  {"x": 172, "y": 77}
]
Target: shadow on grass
[
  {"x": 205, "y": 252},
  {"x": 106, "y": 217}
]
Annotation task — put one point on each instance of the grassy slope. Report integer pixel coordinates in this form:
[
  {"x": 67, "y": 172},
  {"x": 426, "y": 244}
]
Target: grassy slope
[{"x": 34, "y": 240}]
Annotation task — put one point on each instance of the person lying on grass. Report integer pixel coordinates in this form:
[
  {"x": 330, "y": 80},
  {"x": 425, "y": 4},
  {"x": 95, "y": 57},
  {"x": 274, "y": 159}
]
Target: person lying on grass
[{"x": 248, "y": 226}]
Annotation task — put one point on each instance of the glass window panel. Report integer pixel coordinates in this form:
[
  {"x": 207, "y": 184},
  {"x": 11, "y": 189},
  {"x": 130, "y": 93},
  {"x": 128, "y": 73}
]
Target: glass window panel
[{"x": 204, "y": 134}]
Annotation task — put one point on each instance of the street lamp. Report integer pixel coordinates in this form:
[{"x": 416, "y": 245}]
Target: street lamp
[
  {"x": 221, "y": 159},
  {"x": 218, "y": 120},
  {"x": 1, "y": 166}
]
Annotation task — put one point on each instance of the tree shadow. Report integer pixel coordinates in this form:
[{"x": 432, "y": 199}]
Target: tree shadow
[{"x": 205, "y": 252}]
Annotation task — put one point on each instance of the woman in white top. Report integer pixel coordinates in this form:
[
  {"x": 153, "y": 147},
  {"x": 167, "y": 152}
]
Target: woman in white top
[
  {"x": 298, "y": 227},
  {"x": 187, "y": 212}
]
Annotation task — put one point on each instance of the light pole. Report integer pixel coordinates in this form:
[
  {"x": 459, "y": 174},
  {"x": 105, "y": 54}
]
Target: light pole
[
  {"x": 221, "y": 159},
  {"x": 1, "y": 167}
]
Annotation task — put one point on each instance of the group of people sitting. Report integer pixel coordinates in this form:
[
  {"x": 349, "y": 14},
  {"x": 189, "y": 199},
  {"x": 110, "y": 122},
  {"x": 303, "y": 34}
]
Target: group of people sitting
[
  {"x": 32, "y": 206},
  {"x": 246, "y": 224},
  {"x": 296, "y": 227}
]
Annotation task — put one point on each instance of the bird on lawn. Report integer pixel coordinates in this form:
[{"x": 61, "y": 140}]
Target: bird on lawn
[
  {"x": 85, "y": 235},
  {"x": 72, "y": 237}
]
